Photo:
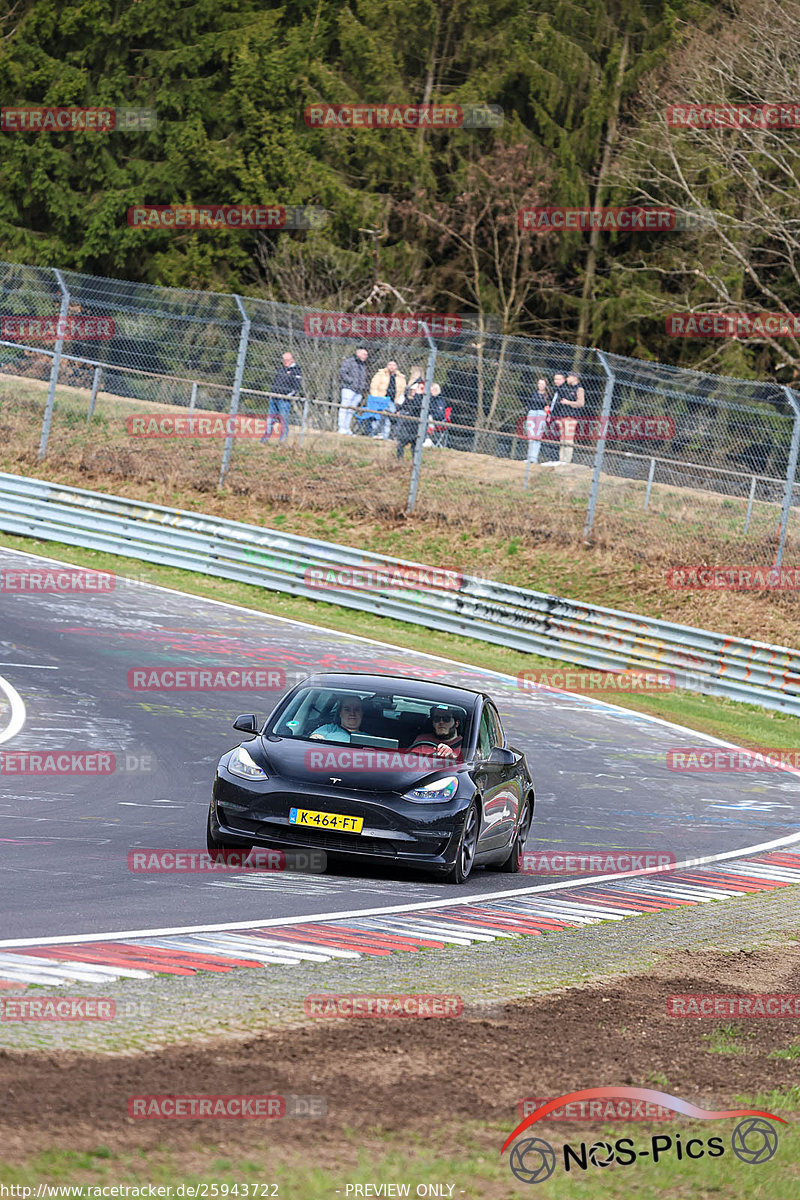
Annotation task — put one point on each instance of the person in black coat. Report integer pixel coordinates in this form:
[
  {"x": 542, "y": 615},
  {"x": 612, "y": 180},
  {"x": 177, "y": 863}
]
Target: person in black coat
[
  {"x": 408, "y": 421},
  {"x": 288, "y": 383}
]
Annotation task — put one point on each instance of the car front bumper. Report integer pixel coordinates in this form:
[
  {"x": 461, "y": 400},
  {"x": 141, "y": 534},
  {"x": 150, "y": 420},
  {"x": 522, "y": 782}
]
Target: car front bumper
[{"x": 394, "y": 828}]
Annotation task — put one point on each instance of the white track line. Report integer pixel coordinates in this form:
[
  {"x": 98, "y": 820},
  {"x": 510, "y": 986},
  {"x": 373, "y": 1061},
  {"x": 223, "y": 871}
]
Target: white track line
[
  {"x": 254, "y": 923},
  {"x": 18, "y": 713}
]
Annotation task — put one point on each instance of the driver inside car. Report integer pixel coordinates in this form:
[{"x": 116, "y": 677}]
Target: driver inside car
[
  {"x": 444, "y": 739},
  {"x": 349, "y": 713}
]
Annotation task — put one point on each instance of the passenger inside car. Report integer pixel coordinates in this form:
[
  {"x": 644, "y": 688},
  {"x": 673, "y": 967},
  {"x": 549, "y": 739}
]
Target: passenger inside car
[{"x": 349, "y": 714}]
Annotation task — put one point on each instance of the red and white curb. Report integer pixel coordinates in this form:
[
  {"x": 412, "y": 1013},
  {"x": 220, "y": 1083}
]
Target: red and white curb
[{"x": 385, "y": 932}]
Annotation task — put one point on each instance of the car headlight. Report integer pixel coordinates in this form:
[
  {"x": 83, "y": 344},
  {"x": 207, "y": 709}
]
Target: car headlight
[
  {"x": 438, "y": 792},
  {"x": 240, "y": 763}
]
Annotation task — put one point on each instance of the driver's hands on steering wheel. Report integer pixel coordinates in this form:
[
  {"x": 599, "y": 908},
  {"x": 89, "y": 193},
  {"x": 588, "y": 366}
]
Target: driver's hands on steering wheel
[{"x": 441, "y": 750}]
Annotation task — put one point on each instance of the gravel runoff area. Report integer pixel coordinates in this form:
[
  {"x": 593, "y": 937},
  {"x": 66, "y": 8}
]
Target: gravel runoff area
[
  {"x": 684, "y": 946},
  {"x": 418, "y": 1100}
]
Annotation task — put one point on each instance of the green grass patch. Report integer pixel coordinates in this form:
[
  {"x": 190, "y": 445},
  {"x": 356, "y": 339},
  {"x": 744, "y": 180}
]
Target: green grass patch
[{"x": 466, "y": 1163}]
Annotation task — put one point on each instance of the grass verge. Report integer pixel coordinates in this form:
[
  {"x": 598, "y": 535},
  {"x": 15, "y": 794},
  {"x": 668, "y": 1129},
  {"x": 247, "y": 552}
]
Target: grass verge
[{"x": 463, "y": 1162}]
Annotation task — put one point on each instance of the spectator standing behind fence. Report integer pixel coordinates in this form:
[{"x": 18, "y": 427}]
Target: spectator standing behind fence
[
  {"x": 568, "y": 395},
  {"x": 353, "y": 380},
  {"x": 387, "y": 384},
  {"x": 408, "y": 424},
  {"x": 288, "y": 383},
  {"x": 535, "y": 420},
  {"x": 571, "y": 396}
]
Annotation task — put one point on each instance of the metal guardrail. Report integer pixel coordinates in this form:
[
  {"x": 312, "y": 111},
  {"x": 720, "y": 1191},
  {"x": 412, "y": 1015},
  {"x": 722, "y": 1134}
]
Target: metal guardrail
[{"x": 550, "y": 626}]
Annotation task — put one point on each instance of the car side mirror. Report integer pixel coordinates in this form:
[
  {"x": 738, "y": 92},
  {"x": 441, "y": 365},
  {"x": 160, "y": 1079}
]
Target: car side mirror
[
  {"x": 501, "y": 757},
  {"x": 246, "y": 723}
]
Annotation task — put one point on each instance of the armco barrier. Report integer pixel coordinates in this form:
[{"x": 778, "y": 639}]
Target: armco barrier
[{"x": 525, "y": 620}]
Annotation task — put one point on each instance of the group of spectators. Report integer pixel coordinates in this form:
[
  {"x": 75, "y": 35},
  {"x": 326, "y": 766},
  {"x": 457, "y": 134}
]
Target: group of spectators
[
  {"x": 390, "y": 395},
  {"x": 551, "y": 418}
]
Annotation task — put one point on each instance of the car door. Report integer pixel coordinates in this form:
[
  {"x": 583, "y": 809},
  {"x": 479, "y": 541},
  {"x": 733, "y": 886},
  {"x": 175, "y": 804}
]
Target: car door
[
  {"x": 490, "y": 778},
  {"x": 509, "y": 794}
]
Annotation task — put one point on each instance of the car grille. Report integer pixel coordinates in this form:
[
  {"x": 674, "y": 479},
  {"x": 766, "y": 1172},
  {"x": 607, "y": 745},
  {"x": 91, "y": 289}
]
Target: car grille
[{"x": 325, "y": 839}]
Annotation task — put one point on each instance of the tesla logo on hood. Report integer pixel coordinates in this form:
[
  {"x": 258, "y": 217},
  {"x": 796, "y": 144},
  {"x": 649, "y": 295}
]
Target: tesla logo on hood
[{"x": 335, "y": 779}]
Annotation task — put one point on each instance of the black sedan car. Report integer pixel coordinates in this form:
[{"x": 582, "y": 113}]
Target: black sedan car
[{"x": 377, "y": 766}]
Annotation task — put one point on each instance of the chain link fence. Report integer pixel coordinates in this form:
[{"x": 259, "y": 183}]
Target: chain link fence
[{"x": 649, "y": 442}]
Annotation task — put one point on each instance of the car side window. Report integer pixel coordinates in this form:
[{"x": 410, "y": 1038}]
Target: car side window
[
  {"x": 498, "y": 737},
  {"x": 484, "y": 748}
]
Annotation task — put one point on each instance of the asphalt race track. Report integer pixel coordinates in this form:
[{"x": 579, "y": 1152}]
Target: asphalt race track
[{"x": 601, "y": 775}]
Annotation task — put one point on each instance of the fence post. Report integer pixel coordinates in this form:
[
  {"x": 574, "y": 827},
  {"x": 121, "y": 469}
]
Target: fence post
[
  {"x": 649, "y": 482},
  {"x": 59, "y": 346},
  {"x": 599, "y": 455},
  {"x": 750, "y": 504},
  {"x": 791, "y": 471},
  {"x": 98, "y": 375},
  {"x": 304, "y": 423},
  {"x": 422, "y": 431},
  {"x": 193, "y": 398},
  {"x": 237, "y": 387}
]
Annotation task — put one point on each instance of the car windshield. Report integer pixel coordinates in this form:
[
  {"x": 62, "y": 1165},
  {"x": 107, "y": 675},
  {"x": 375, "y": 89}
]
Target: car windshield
[{"x": 390, "y": 720}]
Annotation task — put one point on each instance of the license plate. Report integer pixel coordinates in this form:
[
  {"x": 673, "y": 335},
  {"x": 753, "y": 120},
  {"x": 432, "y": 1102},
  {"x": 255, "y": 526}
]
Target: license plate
[{"x": 324, "y": 820}]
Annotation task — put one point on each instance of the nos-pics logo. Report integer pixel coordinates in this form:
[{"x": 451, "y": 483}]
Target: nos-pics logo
[{"x": 533, "y": 1160}]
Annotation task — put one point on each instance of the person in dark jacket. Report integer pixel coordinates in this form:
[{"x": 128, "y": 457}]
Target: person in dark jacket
[
  {"x": 353, "y": 380},
  {"x": 288, "y": 383},
  {"x": 408, "y": 421}
]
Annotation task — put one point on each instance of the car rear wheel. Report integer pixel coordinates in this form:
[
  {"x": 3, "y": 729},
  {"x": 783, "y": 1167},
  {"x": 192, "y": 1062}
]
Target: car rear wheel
[
  {"x": 465, "y": 855},
  {"x": 220, "y": 850},
  {"x": 512, "y": 864}
]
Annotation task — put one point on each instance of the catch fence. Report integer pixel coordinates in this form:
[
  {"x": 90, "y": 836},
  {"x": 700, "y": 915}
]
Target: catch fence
[{"x": 649, "y": 436}]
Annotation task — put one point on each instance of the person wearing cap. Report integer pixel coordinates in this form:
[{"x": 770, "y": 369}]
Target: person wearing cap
[
  {"x": 445, "y": 740},
  {"x": 353, "y": 380}
]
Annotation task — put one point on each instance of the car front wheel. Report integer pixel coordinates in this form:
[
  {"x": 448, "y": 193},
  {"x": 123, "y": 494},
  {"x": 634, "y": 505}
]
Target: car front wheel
[
  {"x": 465, "y": 855},
  {"x": 512, "y": 864}
]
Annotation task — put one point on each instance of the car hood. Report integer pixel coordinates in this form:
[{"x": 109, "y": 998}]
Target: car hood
[{"x": 360, "y": 767}]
